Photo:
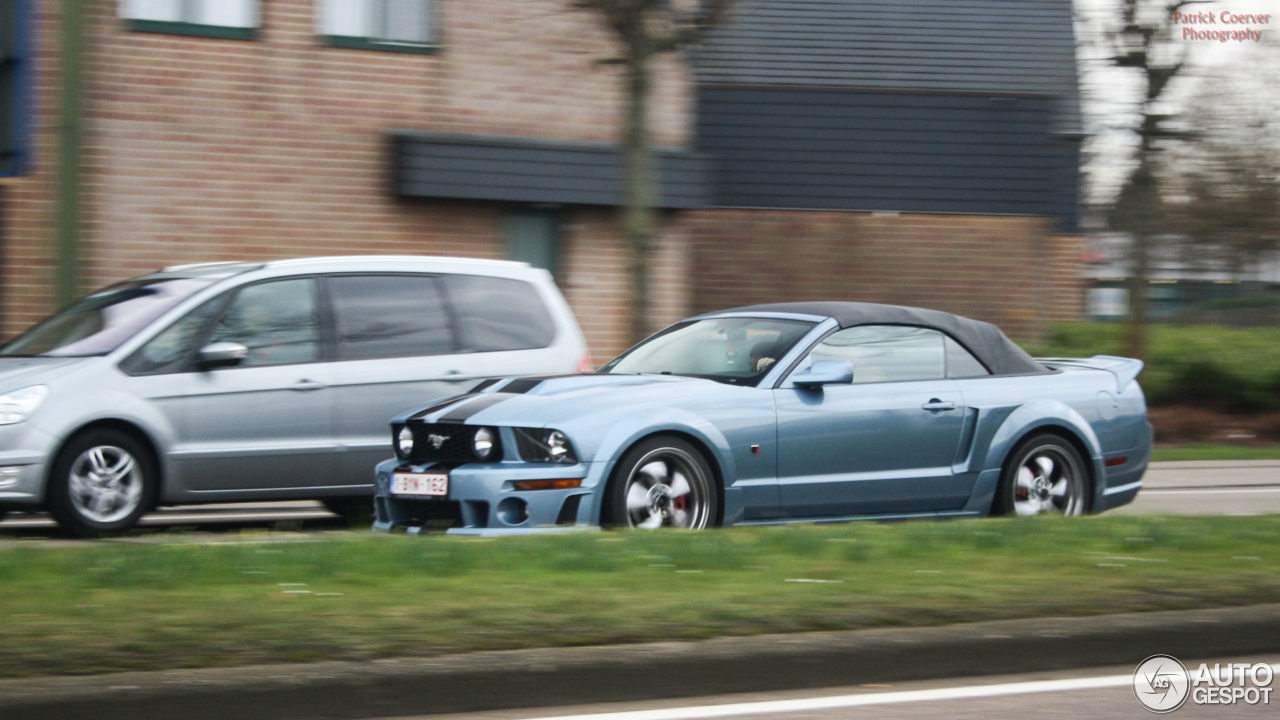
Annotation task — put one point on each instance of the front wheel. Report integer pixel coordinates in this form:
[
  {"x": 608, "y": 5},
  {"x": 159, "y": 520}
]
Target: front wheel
[
  {"x": 102, "y": 482},
  {"x": 662, "y": 482},
  {"x": 1045, "y": 475}
]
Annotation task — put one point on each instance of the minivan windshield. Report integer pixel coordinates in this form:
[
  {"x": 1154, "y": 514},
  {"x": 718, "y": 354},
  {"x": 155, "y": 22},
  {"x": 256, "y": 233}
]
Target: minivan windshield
[
  {"x": 99, "y": 323},
  {"x": 739, "y": 351}
]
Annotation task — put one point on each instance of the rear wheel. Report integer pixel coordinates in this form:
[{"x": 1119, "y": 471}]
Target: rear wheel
[
  {"x": 103, "y": 481},
  {"x": 661, "y": 482},
  {"x": 1045, "y": 475},
  {"x": 356, "y": 510}
]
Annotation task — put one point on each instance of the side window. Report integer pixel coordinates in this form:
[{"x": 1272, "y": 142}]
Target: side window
[
  {"x": 499, "y": 314},
  {"x": 276, "y": 320},
  {"x": 961, "y": 364},
  {"x": 172, "y": 350},
  {"x": 886, "y": 353},
  {"x": 381, "y": 316}
]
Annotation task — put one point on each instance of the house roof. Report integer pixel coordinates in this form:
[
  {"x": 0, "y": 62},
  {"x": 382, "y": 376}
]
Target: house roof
[{"x": 997, "y": 47}]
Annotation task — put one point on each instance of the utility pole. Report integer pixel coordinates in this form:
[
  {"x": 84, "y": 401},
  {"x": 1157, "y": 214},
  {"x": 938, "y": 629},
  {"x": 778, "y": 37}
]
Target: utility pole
[{"x": 70, "y": 139}]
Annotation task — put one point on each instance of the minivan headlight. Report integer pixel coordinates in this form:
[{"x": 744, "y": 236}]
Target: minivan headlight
[
  {"x": 19, "y": 404},
  {"x": 545, "y": 445}
]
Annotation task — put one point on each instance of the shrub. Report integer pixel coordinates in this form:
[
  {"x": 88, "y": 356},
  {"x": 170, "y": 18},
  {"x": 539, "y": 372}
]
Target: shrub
[{"x": 1232, "y": 369}]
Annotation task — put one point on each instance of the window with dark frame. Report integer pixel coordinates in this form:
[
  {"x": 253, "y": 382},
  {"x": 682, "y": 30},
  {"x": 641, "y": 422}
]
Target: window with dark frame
[{"x": 393, "y": 25}]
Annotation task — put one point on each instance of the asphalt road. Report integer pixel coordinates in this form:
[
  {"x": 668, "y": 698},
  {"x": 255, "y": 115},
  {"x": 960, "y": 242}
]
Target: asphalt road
[
  {"x": 1247, "y": 487},
  {"x": 1105, "y": 692}
]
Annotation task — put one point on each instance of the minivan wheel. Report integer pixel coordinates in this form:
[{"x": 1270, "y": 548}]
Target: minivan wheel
[
  {"x": 356, "y": 510},
  {"x": 103, "y": 481}
]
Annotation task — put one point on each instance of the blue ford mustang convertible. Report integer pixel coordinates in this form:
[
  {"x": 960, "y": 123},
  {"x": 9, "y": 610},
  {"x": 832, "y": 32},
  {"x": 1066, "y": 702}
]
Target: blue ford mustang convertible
[{"x": 793, "y": 412}]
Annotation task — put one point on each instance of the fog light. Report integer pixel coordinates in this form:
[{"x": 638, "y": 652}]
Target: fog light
[
  {"x": 513, "y": 511},
  {"x": 405, "y": 441}
]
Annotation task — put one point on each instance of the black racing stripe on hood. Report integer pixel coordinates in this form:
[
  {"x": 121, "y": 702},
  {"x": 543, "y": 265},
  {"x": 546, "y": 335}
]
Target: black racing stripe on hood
[
  {"x": 486, "y": 384},
  {"x": 520, "y": 386},
  {"x": 442, "y": 404},
  {"x": 473, "y": 406}
]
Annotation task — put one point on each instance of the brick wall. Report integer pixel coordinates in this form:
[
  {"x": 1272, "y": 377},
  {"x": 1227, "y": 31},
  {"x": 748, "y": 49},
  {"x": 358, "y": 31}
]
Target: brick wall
[
  {"x": 1007, "y": 270},
  {"x": 205, "y": 149}
]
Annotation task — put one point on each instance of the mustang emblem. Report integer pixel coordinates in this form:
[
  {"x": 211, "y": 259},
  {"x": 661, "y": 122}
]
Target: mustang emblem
[{"x": 437, "y": 440}]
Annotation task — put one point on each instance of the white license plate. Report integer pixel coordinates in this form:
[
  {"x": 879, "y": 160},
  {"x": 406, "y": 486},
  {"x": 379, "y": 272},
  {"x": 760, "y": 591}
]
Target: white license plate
[{"x": 429, "y": 484}]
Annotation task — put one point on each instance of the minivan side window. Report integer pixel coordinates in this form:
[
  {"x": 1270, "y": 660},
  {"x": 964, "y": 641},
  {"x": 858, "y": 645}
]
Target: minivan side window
[
  {"x": 385, "y": 316},
  {"x": 499, "y": 313},
  {"x": 886, "y": 353},
  {"x": 277, "y": 321},
  {"x": 173, "y": 349}
]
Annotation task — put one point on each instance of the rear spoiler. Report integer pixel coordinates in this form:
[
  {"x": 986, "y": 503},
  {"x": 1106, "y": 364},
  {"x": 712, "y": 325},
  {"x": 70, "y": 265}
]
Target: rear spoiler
[{"x": 1125, "y": 370}]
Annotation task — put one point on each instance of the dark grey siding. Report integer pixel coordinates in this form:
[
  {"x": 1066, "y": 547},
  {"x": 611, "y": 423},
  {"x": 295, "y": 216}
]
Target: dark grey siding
[
  {"x": 479, "y": 167},
  {"x": 1001, "y": 47},
  {"x": 846, "y": 150}
]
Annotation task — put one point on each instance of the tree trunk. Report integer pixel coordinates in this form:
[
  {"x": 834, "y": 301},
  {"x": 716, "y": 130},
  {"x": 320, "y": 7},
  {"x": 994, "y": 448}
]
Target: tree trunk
[
  {"x": 1140, "y": 268},
  {"x": 639, "y": 222}
]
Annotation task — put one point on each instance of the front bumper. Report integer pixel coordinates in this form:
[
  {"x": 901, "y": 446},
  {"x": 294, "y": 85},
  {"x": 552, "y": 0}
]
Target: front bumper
[
  {"x": 24, "y": 453},
  {"x": 482, "y": 501}
]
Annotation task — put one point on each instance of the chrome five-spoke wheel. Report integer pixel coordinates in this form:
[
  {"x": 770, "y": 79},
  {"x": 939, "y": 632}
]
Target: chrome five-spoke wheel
[
  {"x": 662, "y": 483},
  {"x": 106, "y": 484},
  {"x": 103, "y": 480},
  {"x": 1047, "y": 476}
]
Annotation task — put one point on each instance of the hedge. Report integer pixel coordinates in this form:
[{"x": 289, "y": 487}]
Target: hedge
[{"x": 1232, "y": 369}]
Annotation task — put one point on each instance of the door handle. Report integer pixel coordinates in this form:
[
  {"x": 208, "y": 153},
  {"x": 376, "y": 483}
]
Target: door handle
[
  {"x": 306, "y": 385},
  {"x": 936, "y": 405}
]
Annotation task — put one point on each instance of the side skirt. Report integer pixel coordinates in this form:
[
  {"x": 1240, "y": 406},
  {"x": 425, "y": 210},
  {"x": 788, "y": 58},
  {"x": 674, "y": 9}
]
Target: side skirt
[{"x": 887, "y": 517}]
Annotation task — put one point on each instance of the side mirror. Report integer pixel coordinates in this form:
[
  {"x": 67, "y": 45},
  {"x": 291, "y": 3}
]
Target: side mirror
[
  {"x": 221, "y": 354},
  {"x": 824, "y": 372}
]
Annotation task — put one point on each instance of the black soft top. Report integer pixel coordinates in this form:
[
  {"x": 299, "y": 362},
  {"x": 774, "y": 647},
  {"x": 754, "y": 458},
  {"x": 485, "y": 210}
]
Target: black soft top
[{"x": 984, "y": 340}]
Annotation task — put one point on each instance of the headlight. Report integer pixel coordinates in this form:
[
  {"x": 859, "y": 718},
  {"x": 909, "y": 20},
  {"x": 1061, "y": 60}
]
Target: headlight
[
  {"x": 537, "y": 445},
  {"x": 404, "y": 441},
  {"x": 19, "y": 404},
  {"x": 483, "y": 443}
]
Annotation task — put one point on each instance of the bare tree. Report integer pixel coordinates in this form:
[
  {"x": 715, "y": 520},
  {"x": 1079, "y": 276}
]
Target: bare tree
[
  {"x": 1225, "y": 178},
  {"x": 1143, "y": 40},
  {"x": 643, "y": 30}
]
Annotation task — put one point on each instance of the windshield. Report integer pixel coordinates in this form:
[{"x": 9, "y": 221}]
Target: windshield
[
  {"x": 739, "y": 351},
  {"x": 99, "y": 323}
]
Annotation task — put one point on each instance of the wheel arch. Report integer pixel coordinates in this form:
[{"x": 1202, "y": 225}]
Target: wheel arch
[
  {"x": 699, "y": 444},
  {"x": 1067, "y": 434},
  {"x": 133, "y": 430}
]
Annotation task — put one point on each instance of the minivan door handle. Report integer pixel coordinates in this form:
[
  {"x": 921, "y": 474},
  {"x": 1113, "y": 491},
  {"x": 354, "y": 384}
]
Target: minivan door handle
[
  {"x": 936, "y": 405},
  {"x": 305, "y": 385}
]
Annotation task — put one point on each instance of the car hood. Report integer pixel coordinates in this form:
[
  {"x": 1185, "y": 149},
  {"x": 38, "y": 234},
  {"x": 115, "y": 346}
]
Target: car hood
[
  {"x": 542, "y": 402},
  {"x": 19, "y": 372}
]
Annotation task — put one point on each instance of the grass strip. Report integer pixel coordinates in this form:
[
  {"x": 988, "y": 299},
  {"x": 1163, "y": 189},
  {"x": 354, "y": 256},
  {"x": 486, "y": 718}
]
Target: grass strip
[
  {"x": 1216, "y": 452},
  {"x": 185, "y": 602}
]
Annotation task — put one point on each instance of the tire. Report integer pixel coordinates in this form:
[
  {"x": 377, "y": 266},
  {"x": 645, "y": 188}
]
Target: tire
[
  {"x": 1044, "y": 475},
  {"x": 356, "y": 510},
  {"x": 103, "y": 481},
  {"x": 661, "y": 482}
]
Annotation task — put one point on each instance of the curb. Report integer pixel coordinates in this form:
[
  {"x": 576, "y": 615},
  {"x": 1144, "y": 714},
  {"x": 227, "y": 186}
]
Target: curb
[{"x": 567, "y": 676}]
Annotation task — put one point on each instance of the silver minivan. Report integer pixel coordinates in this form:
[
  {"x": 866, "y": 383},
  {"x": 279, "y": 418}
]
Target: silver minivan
[{"x": 230, "y": 382}]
